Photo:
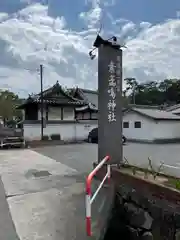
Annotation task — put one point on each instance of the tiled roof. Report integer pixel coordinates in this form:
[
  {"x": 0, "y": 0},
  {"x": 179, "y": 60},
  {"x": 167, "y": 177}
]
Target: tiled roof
[
  {"x": 156, "y": 114},
  {"x": 68, "y": 99},
  {"x": 88, "y": 106},
  {"x": 84, "y": 90},
  {"x": 144, "y": 106},
  {"x": 56, "y": 101},
  {"x": 87, "y": 96},
  {"x": 173, "y": 107},
  {"x": 56, "y": 88}
]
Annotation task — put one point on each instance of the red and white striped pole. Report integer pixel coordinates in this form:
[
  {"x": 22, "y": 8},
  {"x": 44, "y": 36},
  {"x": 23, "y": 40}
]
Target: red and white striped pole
[
  {"x": 109, "y": 173},
  {"x": 88, "y": 210},
  {"x": 88, "y": 192}
]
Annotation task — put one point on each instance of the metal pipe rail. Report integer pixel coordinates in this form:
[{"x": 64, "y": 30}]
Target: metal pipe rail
[
  {"x": 89, "y": 197},
  {"x": 16, "y": 142}
]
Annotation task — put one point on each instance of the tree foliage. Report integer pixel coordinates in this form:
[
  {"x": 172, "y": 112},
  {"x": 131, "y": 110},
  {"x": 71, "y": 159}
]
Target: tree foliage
[
  {"x": 166, "y": 92},
  {"x": 154, "y": 92},
  {"x": 8, "y": 103}
]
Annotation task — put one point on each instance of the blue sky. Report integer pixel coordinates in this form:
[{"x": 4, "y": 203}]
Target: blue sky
[{"x": 153, "y": 11}]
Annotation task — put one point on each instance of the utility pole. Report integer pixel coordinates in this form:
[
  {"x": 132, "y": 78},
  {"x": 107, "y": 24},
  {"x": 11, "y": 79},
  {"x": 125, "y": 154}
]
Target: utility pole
[
  {"x": 134, "y": 95},
  {"x": 42, "y": 103}
]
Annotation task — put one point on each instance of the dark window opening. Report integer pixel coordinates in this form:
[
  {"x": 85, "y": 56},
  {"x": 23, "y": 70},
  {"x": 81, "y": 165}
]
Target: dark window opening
[
  {"x": 137, "y": 124},
  {"x": 125, "y": 124}
]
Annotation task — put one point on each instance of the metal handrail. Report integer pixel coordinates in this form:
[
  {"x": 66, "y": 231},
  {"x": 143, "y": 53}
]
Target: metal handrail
[
  {"x": 89, "y": 197},
  {"x": 2, "y": 143}
]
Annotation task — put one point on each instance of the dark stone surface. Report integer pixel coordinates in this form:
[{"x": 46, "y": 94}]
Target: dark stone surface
[
  {"x": 110, "y": 133},
  {"x": 143, "y": 216},
  {"x": 133, "y": 233}
]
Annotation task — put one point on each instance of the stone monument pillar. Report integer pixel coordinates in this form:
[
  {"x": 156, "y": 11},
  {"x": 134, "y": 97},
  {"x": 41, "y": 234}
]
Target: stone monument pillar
[{"x": 110, "y": 103}]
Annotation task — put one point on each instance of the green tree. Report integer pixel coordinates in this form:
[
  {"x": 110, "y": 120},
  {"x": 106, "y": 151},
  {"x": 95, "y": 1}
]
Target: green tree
[
  {"x": 154, "y": 92},
  {"x": 8, "y": 103}
]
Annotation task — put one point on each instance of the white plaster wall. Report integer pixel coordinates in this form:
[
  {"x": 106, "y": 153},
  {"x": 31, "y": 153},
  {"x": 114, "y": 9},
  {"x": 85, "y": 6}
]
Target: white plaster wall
[
  {"x": 68, "y": 131},
  {"x": 150, "y": 129},
  {"x": 68, "y": 113},
  {"x": 82, "y": 129},
  {"x": 143, "y": 133},
  {"x": 55, "y": 113},
  {"x": 167, "y": 129}
]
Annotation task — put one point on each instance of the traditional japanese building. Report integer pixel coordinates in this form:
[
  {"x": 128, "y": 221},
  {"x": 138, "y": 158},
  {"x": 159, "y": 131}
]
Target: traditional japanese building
[
  {"x": 58, "y": 105},
  {"x": 67, "y": 112},
  {"x": 89, "y": 111}
]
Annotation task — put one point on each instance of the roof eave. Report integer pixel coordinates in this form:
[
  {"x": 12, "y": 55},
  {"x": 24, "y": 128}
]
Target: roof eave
[
  {"x": 167, "y": 119},
  {"x": 81, "y": 109},
  {"x": 22, "y": 106},
  {"x": 150, "y": 117}
]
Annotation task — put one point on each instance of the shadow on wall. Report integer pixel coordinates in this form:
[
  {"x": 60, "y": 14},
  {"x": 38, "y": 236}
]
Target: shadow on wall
[
  {"x": 118, "y": 224},
  {"x": 102, "y": 208},
  {"x": 128, "y": 222}
]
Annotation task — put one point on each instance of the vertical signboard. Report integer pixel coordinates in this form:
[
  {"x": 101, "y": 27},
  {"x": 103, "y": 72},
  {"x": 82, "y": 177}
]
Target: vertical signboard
[{"x": 110, "y": 104}]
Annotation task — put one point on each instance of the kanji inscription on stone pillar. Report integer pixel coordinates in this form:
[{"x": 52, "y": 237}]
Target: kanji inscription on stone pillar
[{"x": 110, "y": 103}]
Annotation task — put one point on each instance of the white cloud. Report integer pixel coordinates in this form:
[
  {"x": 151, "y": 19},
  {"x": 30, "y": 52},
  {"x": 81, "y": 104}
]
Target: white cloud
[
  {"x": 31, "y": 37},
  {"x": 109, "y": 3},
  {"x": 145, "y": 25},
  {"x": 92, "y": 17},
  {"x": 3, "y": 16},
  {"x": 155, "y": 52},
  {"x": 128, "y": 26},
  {"x": 103, "y": 2}
]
